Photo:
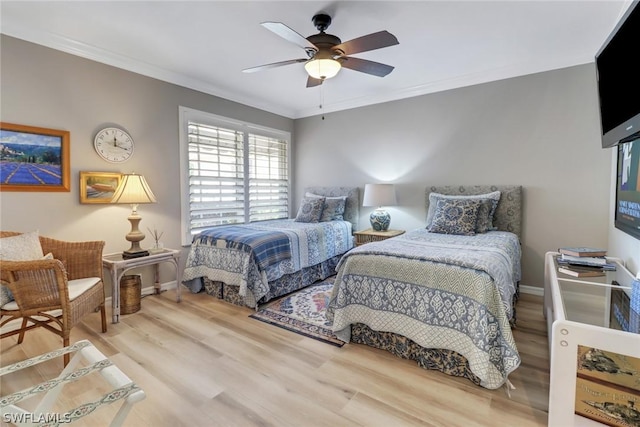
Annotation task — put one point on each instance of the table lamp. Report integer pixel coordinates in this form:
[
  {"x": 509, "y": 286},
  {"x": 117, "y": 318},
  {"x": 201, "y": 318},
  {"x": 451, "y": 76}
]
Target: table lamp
[
  {"x": 133, "y": 189},
  {"x": 379, "y": 195}
]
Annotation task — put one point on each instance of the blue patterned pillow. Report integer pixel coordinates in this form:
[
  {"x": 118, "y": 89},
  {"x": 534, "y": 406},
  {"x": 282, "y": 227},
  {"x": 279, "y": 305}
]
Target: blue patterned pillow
[
  {"x": 455, "y": 216},
  {"x": 5, "y": 295},
  {"x": 485, "y": 215},
  {"x": 333, "y": 209},
  {"x": 310, "y": 209},
  {"x": 486, "y": 212}
]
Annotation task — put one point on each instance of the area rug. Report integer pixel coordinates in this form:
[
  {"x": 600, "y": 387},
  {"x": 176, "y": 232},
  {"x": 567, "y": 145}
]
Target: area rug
[{"x": 303, "y": 312}]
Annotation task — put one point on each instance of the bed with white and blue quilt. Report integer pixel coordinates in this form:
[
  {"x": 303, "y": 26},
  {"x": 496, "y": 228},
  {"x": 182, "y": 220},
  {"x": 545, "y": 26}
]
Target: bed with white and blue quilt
[
  {"x": 250, "y": 264},
  {"x": 443, "y": 295}
]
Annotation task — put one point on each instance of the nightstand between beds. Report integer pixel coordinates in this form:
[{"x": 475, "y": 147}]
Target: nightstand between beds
[{"x": 370, "y": 235}]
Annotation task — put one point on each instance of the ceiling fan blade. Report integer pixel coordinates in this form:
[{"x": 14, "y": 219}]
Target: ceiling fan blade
[
  {"x": 273, "y": 65},
  {"x": 311, "y": 82},
  {"x": 366, "y": 66},
  {"x": 288, "y": 34},
  {"x": 369, "y": 42}
]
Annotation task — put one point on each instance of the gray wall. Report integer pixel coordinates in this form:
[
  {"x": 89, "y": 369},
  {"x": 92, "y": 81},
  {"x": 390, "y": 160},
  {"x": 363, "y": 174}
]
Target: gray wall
[
  {"x": 47, "y": 88},
  {"x": 540, "y": 131},
  {"x": 623, "y": 245}
]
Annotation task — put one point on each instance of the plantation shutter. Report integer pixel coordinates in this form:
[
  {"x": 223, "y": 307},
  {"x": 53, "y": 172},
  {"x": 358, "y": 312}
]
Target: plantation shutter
[
  {"x": 268, "y": 178},
  {"x": 235, "y": 176}
]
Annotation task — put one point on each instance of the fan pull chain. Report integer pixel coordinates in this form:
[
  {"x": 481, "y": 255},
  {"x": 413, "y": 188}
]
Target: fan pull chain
[{"x": 321, "y": 100}]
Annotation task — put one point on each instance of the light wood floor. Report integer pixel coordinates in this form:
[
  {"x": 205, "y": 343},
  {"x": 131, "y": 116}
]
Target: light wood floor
[{"x": 204, "y": 362}]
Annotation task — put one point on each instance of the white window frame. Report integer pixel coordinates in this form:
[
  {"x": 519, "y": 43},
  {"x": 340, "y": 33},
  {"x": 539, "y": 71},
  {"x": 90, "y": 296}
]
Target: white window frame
[{"x": 186, "y": 115}]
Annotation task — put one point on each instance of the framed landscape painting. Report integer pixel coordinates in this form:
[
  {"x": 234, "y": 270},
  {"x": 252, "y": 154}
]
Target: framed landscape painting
[
  {"x": 98, "y": 187},
  {"x": 33, "y": 158}
]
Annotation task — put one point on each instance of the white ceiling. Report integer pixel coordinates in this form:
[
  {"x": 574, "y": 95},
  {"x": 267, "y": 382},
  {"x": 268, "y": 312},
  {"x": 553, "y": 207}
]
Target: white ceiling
[{"x": 204, "y": 45}]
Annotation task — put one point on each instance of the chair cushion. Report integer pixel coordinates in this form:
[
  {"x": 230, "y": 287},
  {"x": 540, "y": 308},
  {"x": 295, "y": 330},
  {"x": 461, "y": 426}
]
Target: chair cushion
[{"x": 76, "y": 288}]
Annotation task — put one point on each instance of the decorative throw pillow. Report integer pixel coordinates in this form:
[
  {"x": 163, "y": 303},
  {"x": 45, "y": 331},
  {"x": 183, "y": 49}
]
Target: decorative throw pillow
[
  {"x": 455, "y": 216},
  {"x": 23, "y": 247},
  {"x": 485, "y": 216},
  {"x": 333, "y": 209},
  {"x": 310, "y": 209},
  {"x": 5, "y": 295}
]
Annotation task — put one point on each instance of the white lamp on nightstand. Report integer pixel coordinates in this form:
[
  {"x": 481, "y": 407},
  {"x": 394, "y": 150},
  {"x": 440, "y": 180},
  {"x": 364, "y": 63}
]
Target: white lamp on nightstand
[
  {"x": 379, "y": 195},
  {"x": 133, "y": 189}
]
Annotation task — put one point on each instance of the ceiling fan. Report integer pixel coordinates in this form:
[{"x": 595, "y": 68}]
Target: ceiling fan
[{"x": 326, "y": 53}]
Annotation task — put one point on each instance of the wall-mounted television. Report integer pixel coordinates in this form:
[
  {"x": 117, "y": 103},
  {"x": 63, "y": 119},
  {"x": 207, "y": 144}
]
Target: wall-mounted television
[
  {"x": 619, "y": 80},
  {"x": 627, "y": 213}
]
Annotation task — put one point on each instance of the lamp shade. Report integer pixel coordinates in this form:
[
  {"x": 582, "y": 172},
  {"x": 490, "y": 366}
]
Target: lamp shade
[
  {"x": 133, "y": 189},
  {"x": 376, "y": 195},
  {"x": 322, "y": 68}
]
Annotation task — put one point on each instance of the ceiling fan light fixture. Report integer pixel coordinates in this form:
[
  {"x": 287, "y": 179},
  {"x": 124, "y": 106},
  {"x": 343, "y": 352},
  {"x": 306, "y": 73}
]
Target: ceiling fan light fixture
[
  {"x": 327, "y": 54},
  {"x": 323, "y": 68}
]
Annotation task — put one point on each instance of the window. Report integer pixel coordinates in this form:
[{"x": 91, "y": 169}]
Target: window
[{"x": 232, "y": 172}]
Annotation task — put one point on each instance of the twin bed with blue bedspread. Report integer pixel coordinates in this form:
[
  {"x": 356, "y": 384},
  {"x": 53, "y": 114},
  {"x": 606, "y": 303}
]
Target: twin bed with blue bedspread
[
  {"x": 443, "y": 295},
  {"x": 257, "y": 262}
]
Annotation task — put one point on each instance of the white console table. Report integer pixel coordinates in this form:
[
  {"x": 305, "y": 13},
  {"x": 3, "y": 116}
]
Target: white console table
[
  {"x": 578, "y": 313},
  {"x": 118, "y": 266}
]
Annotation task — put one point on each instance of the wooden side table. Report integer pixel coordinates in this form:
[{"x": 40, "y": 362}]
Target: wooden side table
[
  {"x": 371, "y": 235},
  {"x": 118, "y": 266}
]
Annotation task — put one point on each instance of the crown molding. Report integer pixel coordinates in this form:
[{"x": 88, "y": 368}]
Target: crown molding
[
  {"x": 64, "y": 44},
  {"x": 485, "y": 76},
  {"x": 83, "y": 50}
]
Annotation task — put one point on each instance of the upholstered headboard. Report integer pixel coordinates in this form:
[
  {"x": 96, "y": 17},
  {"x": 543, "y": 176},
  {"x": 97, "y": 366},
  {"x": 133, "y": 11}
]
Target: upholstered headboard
[
  {"x": 508, "y": 216},
  {"x": 352, "y": 207}
]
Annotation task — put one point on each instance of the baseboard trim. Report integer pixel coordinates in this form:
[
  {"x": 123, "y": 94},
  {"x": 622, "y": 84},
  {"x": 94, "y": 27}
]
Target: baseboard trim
[
  {"x": 150, "y": 290},
  {"x": 532, "y": 290}
]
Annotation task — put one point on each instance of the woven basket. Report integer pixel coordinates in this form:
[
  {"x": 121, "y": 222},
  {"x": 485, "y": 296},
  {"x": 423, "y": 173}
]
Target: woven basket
[{"x": 130, "y": 294}]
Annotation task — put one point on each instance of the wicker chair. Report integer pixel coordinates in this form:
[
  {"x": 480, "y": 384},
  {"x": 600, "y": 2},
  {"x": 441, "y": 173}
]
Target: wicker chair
[{"x": 72, "y": 282}]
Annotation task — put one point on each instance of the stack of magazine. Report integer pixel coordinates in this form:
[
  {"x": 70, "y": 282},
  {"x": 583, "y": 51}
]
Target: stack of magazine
[{"x": 583, "y": 262}]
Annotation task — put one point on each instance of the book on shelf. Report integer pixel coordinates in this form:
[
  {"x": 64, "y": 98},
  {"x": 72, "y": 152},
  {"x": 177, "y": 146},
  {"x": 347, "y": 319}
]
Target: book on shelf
[
  {"x": 583, "y": 251},
  {"x": 586, "y": 262},
  {"x": 584, "y": 259},
  {"x": 576, "y": 271}
]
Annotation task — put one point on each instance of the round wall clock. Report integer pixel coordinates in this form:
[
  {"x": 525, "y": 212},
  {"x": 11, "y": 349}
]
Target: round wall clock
[{"x": 113, "y": 145}]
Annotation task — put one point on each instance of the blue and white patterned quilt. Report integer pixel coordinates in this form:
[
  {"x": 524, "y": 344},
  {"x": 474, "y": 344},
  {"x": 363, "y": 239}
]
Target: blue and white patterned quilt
[
  {"x": 441, "y": 291},
  {"x": 266, "y": 246},
  {"x": 310, "y": 244}
]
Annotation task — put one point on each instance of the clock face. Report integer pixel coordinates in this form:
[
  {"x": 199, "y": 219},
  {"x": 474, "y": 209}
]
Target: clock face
[{"x": 113, "y": 145}]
